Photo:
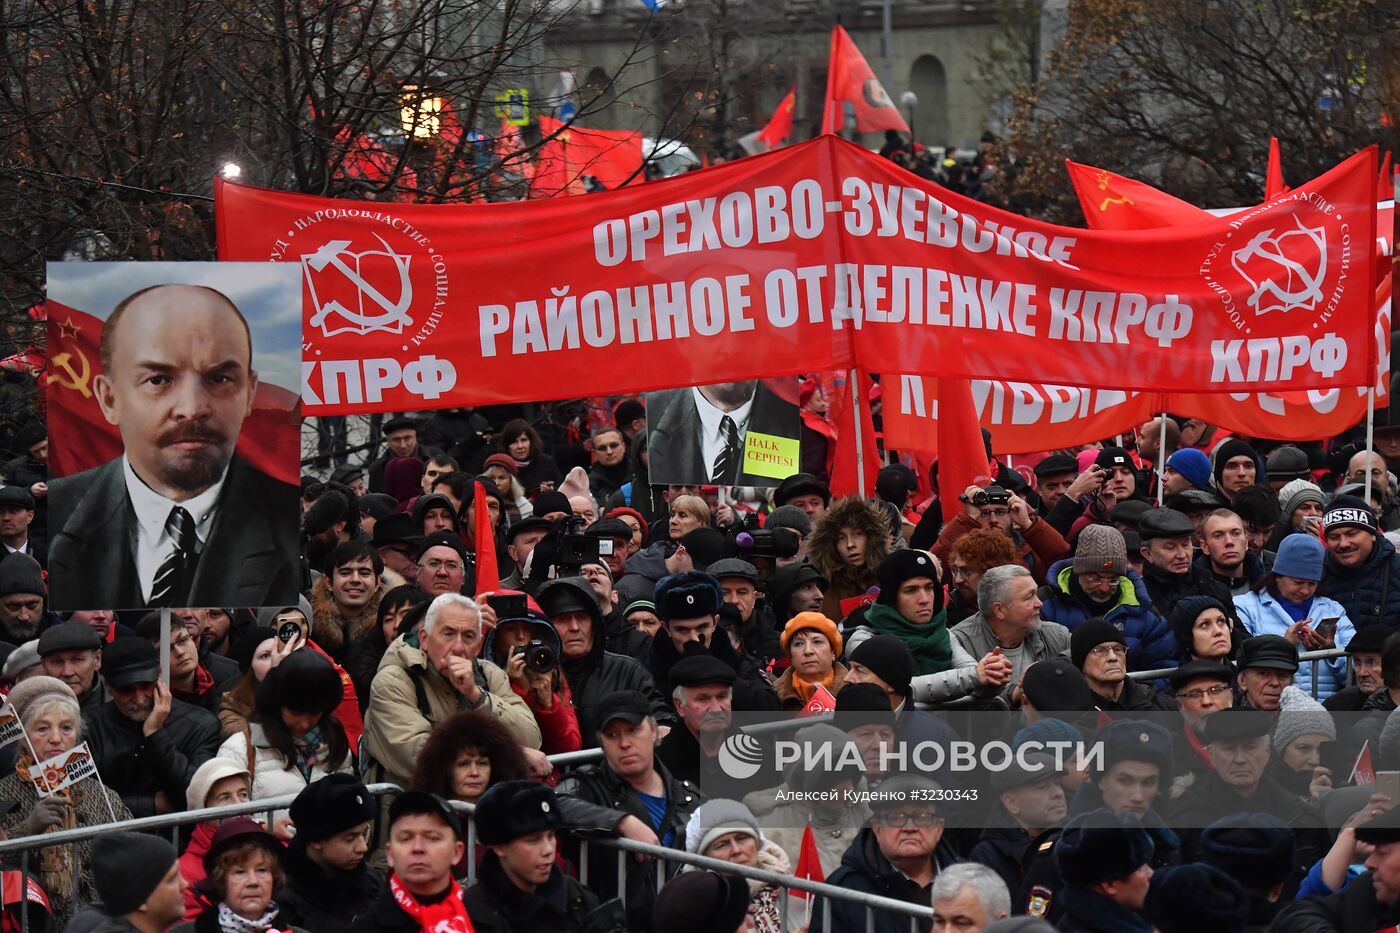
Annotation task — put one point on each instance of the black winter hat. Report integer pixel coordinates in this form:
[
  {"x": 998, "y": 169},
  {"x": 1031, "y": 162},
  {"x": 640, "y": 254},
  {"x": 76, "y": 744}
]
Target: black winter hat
[
  {"x": 1111, "y": 457},
  {"x": 1342, "y": 512},
  {"x": 1231, "y": 448},
  {"x": 888, "y": 658},
  {"x": 570, "y": 594},
  {"x": 20, "y": 573},
  {"x": 305, "y": 682},
  {"x": 377, "y": 505},
  {"x": 690, "y": 595},
  {"x": 415, "y": 802},
  {"x": 1056, "y": 685},
  {"x": 130, "y": 660},
  {"x": 1056, "y": 465},
  {"x": 1101, "y": 846},
  {"x": 862, "y": 704},
  {"x": 434, "y": 500},
  {"x": 247, "y": 645},
  {"x": 907, "y": 564},
  {"x": 1137, "y": 740},
  {"x": 1194, "y": 897},
  {"x": 1369, "y": 639},
  {"x": 69, "y": 636},
  {"x": 329, "y": 508},
  {"x": 1088, "y": 635},
  {"x": 332, "y": 805},
  {"x": 16, "y": 495},
  {"x": 800, "y": 484},
  {"x": 701, "y": 902},
  {"x": 552, "y": 501},
  {"x": 1236, "y": 725},
  {"x": 698, "y": 667},
  {"x": 442, "y": 539},
  {"x": 512, "y": 809},
  {"x": 1256, "y": 849},
  {"x": 127, "y": 868},
  {"x": 1184, "y": 613},
  {"x": 705, "y": 546}
]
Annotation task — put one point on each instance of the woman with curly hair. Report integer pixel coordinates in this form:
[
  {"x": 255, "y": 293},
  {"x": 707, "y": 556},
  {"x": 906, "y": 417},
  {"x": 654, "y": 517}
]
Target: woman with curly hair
[
  {"x": 847, "y": 544},
  {"x": 466, "y": 754},
  {"x": 971, "y": 556},
  {"x": 533, "y": 466}
]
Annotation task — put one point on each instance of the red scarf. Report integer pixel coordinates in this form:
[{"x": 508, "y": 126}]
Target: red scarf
[{"x": 446, "y": 916}]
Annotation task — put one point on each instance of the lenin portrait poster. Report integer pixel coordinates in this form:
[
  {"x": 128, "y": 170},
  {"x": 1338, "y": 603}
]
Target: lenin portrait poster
[{"x": 173, "y": 417}]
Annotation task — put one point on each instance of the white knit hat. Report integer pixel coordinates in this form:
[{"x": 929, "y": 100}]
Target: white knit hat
[
  {"x": 715, "y": 818},
  {"x": 1299, "y": 715}
]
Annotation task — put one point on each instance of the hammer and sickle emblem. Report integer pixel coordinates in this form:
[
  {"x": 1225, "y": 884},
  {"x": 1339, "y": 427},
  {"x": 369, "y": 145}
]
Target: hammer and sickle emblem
[{"x": 70, "y": 378}]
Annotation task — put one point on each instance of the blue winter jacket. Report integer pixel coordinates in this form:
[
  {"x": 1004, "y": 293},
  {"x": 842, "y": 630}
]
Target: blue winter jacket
[
  {"x": 1262, "y": 615},
  {"x": 1151, "y": 644},
  {"x": 1369, "y": 593}
]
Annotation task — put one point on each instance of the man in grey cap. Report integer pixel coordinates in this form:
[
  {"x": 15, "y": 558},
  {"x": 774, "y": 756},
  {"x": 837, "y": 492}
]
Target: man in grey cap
[
  {"x": 1267, "y": 665},
  {"x": 1168, "y": 563},
  {"x": 738, "y": 582},
  {"x": 72, "y": 652},
  {"x": 147, "y": 744}
]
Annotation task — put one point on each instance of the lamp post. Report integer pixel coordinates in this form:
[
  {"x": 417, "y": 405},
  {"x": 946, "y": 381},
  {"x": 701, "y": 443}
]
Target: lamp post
[
  {"x": 909, "y": 100},
  {"x": 420, "y": 112}
]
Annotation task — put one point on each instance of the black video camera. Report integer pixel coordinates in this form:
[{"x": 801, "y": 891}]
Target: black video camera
[
  {"x": 768, "y": 542},
  {"x": 574, "y": 548},
  {"x": 539, "y": 657},
  {"x": 990, "y": 495}
]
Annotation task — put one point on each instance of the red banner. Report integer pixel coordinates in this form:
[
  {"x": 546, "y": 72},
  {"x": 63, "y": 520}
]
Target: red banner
[{"x": 824, "y": 256}]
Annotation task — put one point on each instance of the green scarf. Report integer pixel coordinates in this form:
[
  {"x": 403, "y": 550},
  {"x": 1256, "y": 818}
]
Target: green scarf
[{"x": 931, "y": 644}]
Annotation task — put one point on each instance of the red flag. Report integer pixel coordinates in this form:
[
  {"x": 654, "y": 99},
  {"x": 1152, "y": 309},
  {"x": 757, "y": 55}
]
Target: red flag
[
  {"x": 614, "y": 157},
  {"x": 849, "y": 80},
  {"x": 821, "y": 702},
  {"x": 1273, "y": 184},
  {"x": 809, "y": 862},
  {"x": 488, "y": 577},
  {"x": 779, "y": 125},
  {"x": 1385, "y": 185},
  {"x": 850, "y": 425},
  {"x": 962, "y": 457},
  {"x": 1112, "y": 202},
  {"x": 1363, "y": 772},
  {"x": 270, "y": 439}
]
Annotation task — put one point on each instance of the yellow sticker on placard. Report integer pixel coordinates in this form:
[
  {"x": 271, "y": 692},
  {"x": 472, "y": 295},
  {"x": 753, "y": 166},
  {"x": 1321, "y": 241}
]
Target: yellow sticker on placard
[{"x": 770, "y": 455}]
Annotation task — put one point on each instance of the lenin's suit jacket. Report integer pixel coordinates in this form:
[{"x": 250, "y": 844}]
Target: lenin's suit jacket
[
  {"x": 251, "y": 557},
  {"x": 674, "y": 448}
]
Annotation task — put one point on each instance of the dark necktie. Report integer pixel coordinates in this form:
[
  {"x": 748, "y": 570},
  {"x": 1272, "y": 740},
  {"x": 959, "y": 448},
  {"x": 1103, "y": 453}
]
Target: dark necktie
[
  {"x": 172, "y": 582},
  {"x": 726, "y": 468}
]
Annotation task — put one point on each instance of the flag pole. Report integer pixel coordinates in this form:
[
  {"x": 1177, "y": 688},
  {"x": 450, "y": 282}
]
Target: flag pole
[
  {"x": 1162, "y": 461},
  {"x": 165, "y": 646},
  {"x": 860, "y": 443},
  {"x": 1370, "y": 434}
]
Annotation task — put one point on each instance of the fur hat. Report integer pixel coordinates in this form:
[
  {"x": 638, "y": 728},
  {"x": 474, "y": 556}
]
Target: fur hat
[
  {"x": 1101, "y": 846},
  {"x": 690, "y": 595},
  {"x": 512, "y": 809},
  {"x": 1193, "y": 897},
  {"x": 305, "y": 682}
]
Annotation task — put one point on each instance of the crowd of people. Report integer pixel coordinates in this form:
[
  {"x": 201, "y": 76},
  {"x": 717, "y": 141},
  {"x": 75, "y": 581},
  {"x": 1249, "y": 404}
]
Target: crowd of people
[{"x": 1212, "y": 613}]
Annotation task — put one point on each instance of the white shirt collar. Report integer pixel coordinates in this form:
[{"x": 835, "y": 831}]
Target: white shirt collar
[
  {"x": 153, "y": 509},
  {"x": 711, "y": 417}
]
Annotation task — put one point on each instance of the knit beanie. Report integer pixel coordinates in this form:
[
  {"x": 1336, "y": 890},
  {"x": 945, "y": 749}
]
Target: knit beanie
[
  {"x": 267, "y": 616},
  {"x": 1088, "y": 635},
  {"x": 1288, "y": 463},
  {"x": 1300, "y": 557},
  {"x": 1192, "y": 464},
  {"x": 1046, "y": 730},
  {"x": 903, "y": 565},
  {"x": 817, "y": 622},
  {"x": 28, "y": 694},
  {"x": 1101, "y": 549},
  {"x": 127, "y": 868},
  {"x": 1299, "y": 714},
  {"x": 1234, "y": 447},
  {"x": 789, "y": 516},
  {"x": 20, "y": 573},
  {"x": 715, "y": 818},
  {"x": 888, "y": 658},
  {"x": 1343, "y": 512},
  {"x": 1194, "y": 897},
  {"x": 1294, "y": 493}
]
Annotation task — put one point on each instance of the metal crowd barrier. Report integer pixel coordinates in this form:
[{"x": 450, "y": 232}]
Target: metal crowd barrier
[
  {"x": 1325, "y": 655},
  {"x": 920, "y": 916}
]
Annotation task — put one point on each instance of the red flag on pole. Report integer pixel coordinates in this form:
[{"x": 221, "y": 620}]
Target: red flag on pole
[
  {"x": 849, "y": 80},
  {"x": 1112, "y": 202},
  {"x": 962, "y": 457},
  {"x": 1363, "y": 772},
  {"x": 488, "y": 577},
  {"x": 779, "y": 126},
  {"x": 1273, "y": 185},
  {"x": 809, "y": 861}
]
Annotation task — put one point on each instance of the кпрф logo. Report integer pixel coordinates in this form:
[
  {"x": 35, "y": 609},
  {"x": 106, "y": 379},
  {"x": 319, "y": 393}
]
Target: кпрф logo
[
  {"x": 363, "y": 291},
  {"x": 1284, "y": 269}
]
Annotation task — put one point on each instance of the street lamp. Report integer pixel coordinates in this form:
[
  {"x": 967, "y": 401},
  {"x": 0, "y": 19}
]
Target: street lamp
[
  {"x": 420, "y": 112},
  {"x": 909, "y": 100},
  {"x": 231, "y": 170}
]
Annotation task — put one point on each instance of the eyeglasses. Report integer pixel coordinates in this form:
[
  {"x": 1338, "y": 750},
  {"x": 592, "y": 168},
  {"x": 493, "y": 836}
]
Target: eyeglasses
[
  {"x": 451, "y": 566},
  {"x": 959, "y": 572},
  {"x": 898, "y": 818},
  {"x": 997, "y": 513},
  {"x": 1108, "y": 648},
  {"x": 1099, "y": 579},
  {"x": 181, "y": 641},
  {"x": 1211, "y": 692}
]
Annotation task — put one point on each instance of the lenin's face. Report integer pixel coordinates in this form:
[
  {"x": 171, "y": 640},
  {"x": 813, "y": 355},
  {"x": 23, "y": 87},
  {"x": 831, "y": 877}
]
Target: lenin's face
[{"x": 179, "y": 385}]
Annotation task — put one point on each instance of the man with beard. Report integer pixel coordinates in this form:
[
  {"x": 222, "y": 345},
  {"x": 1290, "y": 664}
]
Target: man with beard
[
  {"x": 178, "y": 519},
  {"x": 1225, "y": 552},
  {"x": 146, "y": 744},
  {"x": 22, "y": 598},
  {"x": 699, "y": 434}
]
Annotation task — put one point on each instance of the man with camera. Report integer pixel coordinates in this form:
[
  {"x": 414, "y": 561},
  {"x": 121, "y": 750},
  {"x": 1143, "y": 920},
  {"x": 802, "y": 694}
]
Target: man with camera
[
  {"x": 527, "y": 647},
  {"x": 1038, "y": 544}
]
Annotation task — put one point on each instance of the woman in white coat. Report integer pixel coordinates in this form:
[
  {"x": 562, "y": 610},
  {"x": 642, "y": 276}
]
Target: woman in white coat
[
  {"x": 1285, "y": 603},
  {"x": 293, "y": 736}
]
